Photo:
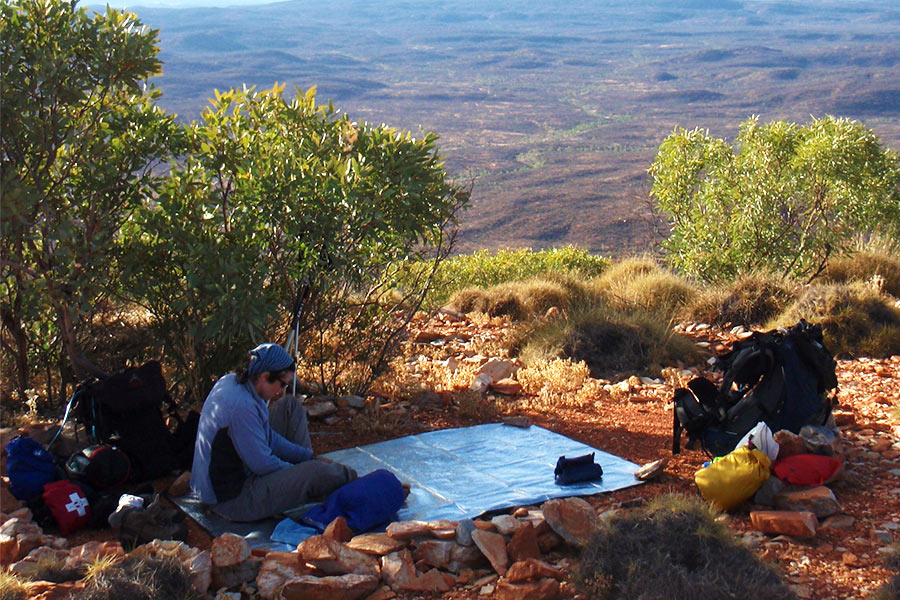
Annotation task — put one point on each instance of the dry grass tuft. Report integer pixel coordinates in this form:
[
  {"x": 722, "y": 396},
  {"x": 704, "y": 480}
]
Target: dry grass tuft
[
  {"x": 676, "y": 545},
  {"x": 474, "y": 406},
  {"x": 12, "y": 587},
  {"x": 659, "y": 292},
  {"x": 521, "y": 300},
  {"x": 891, "y": 589},
  {"x": 751, "y": 299},
  {"x": 557, "y": 382},
  {"x": 857, "y": 319},
  {"x": 138, "y": 578},
  {"x": 629, "y": 269},
  {"x": 867, "y": 265},
  {"x": 608, "y": 341}
]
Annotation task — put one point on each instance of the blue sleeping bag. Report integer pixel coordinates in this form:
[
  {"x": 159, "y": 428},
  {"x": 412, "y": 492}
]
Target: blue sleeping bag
[{"x": 365, "y": 502}]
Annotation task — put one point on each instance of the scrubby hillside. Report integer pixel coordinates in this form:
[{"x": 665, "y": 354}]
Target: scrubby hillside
[{"x": 639, "y": 330}]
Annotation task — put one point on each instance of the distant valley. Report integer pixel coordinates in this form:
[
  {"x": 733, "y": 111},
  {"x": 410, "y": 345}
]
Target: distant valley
[{"x": 554, "y": 110}]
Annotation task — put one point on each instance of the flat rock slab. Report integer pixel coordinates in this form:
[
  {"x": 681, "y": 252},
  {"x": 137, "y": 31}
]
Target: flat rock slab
[
  {"x": 376, "y": 543},
  {"x": 783, "y": 522},
  {"x": 493, "y": 546},
  {"x": 345, "y": 587}
]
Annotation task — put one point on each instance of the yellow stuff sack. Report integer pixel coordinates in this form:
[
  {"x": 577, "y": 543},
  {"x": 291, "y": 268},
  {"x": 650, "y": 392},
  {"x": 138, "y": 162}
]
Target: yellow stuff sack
[{"x": 733, "y": 478}]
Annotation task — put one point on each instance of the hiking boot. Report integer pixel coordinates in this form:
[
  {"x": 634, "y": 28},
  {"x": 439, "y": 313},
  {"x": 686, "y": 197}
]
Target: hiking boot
[
  {"x": 140, "y": 526},
  {"x": 164, "y": 514}
]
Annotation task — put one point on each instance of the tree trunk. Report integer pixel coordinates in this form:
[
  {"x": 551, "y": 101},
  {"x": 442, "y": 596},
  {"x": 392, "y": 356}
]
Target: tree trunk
[
  {"x": 83, "y": 367},
  {"x": 19, "y": 351}
]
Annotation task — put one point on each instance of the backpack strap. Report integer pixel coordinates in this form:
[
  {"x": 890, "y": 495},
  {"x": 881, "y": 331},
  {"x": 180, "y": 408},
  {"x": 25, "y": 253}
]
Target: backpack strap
[
  {"x": 811, "y": 348},
  {"x": 676, "y": 433},
  {"x": 740, "y": 369},
  {"x": 690, "y": 414}
]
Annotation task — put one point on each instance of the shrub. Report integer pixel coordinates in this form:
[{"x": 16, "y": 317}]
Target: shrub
[
  {"x": 608, "y": 341},
  {"x": 673, "y": 548},
  {"x": 751, "y": 299},
  {"x": 866, "y": 266},
  {"x": 783, "y": 196},
  {"x": 284, "y": 202},
  {"x": 857, "y": 319},
  {"x": 82, "y": 141}
]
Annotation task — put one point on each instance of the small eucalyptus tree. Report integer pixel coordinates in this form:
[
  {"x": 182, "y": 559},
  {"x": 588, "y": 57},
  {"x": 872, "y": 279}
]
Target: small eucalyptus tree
[
  {"x": 80, "y": 138},
  {"x": 785, "y": 197}
]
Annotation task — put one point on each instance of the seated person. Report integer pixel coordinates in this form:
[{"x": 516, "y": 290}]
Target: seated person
[{"x": 253, "y": 461}]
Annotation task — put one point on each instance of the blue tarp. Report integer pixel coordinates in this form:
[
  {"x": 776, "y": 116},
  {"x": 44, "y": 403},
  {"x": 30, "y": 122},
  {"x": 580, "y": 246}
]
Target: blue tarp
[{"x": 455, "y": 474}]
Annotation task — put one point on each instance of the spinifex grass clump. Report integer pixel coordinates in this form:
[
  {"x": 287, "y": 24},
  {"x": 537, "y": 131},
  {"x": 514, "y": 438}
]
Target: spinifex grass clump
[
  {"x": 751, "y": 299},
  {"x": 866, "y": 265},
  {"x": 12, "y": 587},
  {"x": 857, "y": 319},
  {"x": 484, "y": 269},
  {"x": 673, "y": 548},
  {"x": 609, "y": 341},
  {"x": 522, "y": 300},
  {"x": 641, "y": 284},
  {"x": 139, "y": 579},
  {"x": 891, "y": 589}
]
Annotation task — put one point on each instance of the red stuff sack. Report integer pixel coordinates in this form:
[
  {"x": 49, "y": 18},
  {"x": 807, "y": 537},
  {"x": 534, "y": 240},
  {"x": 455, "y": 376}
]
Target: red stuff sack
[
  {"x": 68, "y": 505},
  {"x": 806, "y": 469}
]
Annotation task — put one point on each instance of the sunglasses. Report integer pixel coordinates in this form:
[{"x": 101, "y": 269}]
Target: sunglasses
[{"x": 281, "y": 382}]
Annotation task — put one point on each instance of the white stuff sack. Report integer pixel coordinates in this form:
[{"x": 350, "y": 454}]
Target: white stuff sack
[{"x": 763, "y": 439}]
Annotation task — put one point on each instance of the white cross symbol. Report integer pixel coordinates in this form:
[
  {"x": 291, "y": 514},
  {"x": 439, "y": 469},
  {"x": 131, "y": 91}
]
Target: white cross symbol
[{"x": 78, "y": 504}]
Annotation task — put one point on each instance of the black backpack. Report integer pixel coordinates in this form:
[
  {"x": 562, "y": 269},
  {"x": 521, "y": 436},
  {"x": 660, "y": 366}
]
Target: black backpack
[
  {"x": 125, "y": 411},
  {"x": 781, "y": 377}
]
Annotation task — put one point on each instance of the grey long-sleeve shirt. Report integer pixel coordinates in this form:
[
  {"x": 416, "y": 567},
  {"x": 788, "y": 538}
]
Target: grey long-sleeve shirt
[{"x": 244, "y": 413}]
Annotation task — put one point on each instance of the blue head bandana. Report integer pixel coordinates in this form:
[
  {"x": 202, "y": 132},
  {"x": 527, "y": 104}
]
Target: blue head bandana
[{"x": 268, "y": 357}]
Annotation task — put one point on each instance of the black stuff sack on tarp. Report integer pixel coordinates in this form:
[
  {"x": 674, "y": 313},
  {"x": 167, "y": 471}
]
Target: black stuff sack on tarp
[
  {"x": 781, "y": 377},
  {"x": 576, "y": 470}
]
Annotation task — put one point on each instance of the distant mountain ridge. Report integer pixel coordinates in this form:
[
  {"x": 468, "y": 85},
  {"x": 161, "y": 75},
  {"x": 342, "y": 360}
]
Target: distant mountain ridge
[{"x": 553, "y": 109}]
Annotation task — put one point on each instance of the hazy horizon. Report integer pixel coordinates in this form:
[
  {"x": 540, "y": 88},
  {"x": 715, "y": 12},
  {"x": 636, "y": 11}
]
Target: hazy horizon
[{"x": 553, "y": 111}]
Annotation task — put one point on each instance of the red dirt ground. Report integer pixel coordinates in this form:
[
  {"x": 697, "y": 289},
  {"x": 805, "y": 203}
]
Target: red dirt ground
[{"x": 836, "y": 564}]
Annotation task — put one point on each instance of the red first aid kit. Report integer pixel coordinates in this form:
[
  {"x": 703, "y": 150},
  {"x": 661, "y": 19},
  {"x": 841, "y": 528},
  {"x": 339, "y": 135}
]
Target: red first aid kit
[{"x": 68, "y": 505}]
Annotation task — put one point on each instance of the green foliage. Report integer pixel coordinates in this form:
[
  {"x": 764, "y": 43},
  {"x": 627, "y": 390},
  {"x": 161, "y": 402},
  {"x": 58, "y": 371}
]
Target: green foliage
[
  {"x": 785, "y": 198},
  {"x": 483, "y": 269},
  {"x": 276, "y": 197},
  {"x": 81, "y": 137},
  {"x": 857, "y": 319},
  {"x": 674, "y": 548}
]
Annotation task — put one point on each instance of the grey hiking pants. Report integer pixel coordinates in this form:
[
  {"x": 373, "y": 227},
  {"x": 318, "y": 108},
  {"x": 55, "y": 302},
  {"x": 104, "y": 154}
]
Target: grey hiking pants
[{"x": 266, "y": 495}]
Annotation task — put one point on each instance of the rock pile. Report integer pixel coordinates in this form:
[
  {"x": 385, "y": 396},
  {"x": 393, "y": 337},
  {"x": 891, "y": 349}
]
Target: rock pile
[{"x": 505, "y": 556}]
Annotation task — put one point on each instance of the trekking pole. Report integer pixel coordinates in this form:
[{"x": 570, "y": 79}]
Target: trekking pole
[
  {"x": 293, "y": 341},
  {"x": 69, "y": 405}
]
